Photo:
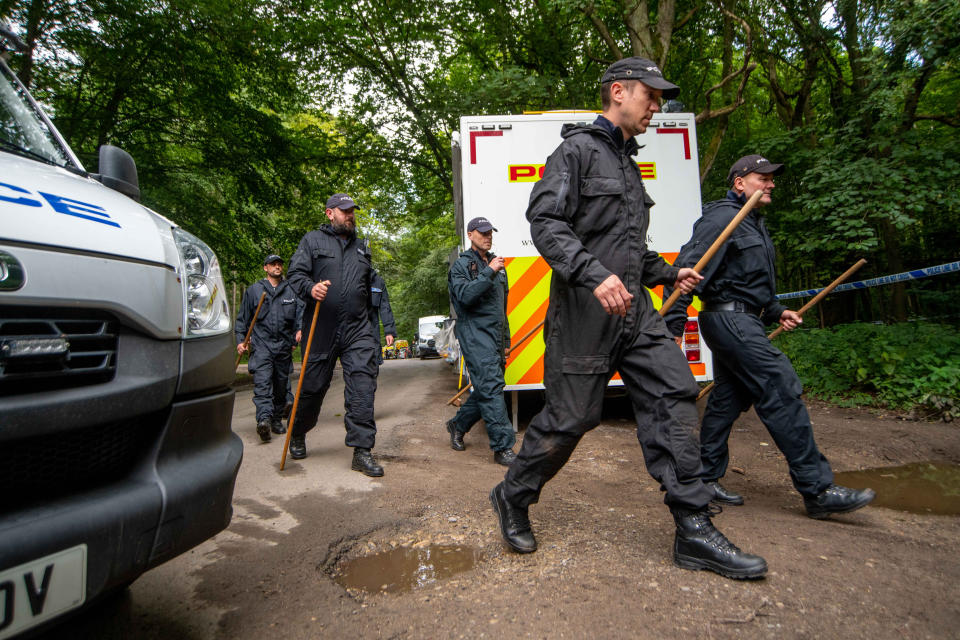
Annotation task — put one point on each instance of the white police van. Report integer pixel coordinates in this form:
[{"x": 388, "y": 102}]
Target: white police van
[{"x": 116, "y": 356}]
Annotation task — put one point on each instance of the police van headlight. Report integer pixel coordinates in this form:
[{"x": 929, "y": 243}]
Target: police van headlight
[{"x": 204, "y": 294}]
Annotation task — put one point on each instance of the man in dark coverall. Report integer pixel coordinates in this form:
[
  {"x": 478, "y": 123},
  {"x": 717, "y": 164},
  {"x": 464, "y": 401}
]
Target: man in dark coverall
[
  {"x": 478, "y": 291},
  {"x": 738, "y": 294},
  {"x": 588, "y": 218},
  {"x": 331, "y": 267},
  {"x": 270, "y": 343},
  {"x": 380, "y": 312}
]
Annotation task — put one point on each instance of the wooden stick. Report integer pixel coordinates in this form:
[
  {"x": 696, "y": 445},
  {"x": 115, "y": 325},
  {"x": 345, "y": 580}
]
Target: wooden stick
[
  {"x": 461, "y": 392},
  {"x": 296, "y": 397},
  {"x": 524, "y": 338},
  {"x": 817, "y": 298},
  {"x": 702, "y": 262},
  {"x": 246, "y": 338}
]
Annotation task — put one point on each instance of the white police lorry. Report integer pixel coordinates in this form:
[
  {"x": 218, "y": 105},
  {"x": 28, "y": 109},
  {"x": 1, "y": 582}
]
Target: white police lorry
[{"x": 116, "y": 356}]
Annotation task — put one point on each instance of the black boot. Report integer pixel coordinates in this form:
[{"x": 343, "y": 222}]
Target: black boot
[
  {"x": 364, "y": 463},
  {"x": 504, "y": 457},
  {"x": 698, "y": 545},
  {"x": 456, "y": 437},
  {"x": 263, "y": 429},
  {"x": 722, "y": 495},
  {"x": 298, "y": 447},
  {"x": 514, "y": 523},
  {"x": 837, "y": 499},
  {"x": 277, "y": 426}
]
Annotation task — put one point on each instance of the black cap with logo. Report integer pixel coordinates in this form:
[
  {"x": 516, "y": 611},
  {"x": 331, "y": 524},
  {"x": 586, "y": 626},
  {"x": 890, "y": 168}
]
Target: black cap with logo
[
  {"x": 340, "y": 201},
  {"x": 480, "y": 224},
  {"x": 271, "y": 259},
  {"x": 636, "y": 68},
  {"x": 754, "y": 163}
]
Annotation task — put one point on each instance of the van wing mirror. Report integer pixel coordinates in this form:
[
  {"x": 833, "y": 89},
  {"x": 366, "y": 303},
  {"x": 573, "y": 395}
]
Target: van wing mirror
[{"x": 118, "y": 171}]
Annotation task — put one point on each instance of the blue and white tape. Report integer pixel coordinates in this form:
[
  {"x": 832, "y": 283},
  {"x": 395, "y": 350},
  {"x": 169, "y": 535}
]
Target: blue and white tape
[{"x": 916, "y": 274}]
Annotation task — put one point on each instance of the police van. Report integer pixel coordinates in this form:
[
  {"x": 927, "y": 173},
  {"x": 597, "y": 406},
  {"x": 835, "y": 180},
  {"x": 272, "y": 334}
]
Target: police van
[
  {"x": 498, "y": 158},
  {"x": 116, "y": 359}
]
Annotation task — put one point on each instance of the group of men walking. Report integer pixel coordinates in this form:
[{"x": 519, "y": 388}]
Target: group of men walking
[{"x": 588, "y": 218}]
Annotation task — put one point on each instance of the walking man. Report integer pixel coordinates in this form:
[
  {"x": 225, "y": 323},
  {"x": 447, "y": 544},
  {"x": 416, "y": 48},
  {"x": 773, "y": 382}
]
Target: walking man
[
  {"x": 738, "y": 294},
  {"x": 588, "y": 218},
  {"x": 331, "y": 267},
  {"x": 270, "y": 343},
  {"x": 478, "y": 291}
]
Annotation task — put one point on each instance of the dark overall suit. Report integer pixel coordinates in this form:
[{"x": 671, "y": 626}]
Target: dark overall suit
[
  {"x": 270, "y": 343},
  {"x": 380, "y": 312},
  {"x": 479, "y": 297},
  {"x": 748, "y": 369},
  {"x": 588, "y": 218},
  {"x": 343, "y": 331}
]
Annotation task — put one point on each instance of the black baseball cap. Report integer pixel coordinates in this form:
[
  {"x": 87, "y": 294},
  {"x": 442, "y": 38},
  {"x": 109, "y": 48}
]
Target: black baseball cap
[
  {"x": 754, "y": 163},
  {"x": 636, "y": 68},
  {"x": 480, "y": 224},
  {"x": 272, "y": 258},
  {"x": 340, "y": 201}
]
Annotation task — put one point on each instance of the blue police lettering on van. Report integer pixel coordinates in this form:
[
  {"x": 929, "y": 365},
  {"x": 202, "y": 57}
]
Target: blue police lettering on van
[{"x": 60, "y": 204}]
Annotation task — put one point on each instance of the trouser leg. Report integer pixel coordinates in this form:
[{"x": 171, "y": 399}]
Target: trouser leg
[
  {"x": 359, "y": 363},
  {"x": 261, "y": 366},
  {"x": 728, "y": 400},
  {"x": 290, "y": 382},
  {"x": 486, "y": 375},
  {"x": 281, "y": 378},
  {"x": 574, "y": 404},
  {"x": 775, "y": 391},
  {"x": 468, "y": 414},
  {"x": 664, "y": 393},
  {"x": 316, "y": 381}
]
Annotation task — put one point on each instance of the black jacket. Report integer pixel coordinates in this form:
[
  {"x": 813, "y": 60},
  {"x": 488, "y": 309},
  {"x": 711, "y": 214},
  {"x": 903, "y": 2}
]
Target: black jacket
[
  {"x": 588, "y": 218},
  {"x": 380, "y": 311},
  {"x": 479, "y": 297},
  {"x": 276, "y": 322},
  {"x": 345, "y": 312},
  {"x": 742, "y": 270}
]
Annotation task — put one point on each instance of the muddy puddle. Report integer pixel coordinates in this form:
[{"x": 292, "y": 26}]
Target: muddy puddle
[
  {"x": 921, "y": 487},
  {"x": 406, "y": 568}
]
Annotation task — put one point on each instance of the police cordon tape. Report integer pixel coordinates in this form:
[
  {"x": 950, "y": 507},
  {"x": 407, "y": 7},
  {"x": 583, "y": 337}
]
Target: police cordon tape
[{"x": 916, "y": 274}]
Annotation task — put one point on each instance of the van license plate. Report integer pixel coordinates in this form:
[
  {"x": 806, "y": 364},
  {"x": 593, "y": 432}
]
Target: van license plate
[{"x": 39, "y": 590}]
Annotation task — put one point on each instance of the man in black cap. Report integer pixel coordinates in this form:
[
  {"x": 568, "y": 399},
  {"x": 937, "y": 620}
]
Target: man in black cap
[
  {"x": 331, "y": 268},
  {"x": 478, "y": 290},
  {"x": 270, "y": 343},
  {"x": 588, "y": 218},
  {"x": 738, "y": 294}
]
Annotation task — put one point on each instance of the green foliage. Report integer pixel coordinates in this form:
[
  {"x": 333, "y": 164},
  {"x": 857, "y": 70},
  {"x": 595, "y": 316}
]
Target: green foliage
[{"x": 912, "y": 366}]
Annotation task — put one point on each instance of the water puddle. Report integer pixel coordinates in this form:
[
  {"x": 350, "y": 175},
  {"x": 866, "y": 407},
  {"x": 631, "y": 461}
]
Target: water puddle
[
  {"x": 406, "y": 568},
  {"x": 921, "y": 487}
]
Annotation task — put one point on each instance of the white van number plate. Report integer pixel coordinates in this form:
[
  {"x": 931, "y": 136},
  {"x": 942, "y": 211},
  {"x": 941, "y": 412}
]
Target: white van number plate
[{"x": 39, "y": 590}]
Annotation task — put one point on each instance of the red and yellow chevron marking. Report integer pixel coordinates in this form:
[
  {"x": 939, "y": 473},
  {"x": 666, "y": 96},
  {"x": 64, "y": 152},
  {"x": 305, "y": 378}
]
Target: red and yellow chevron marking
[{"x": 529, "y": 280}]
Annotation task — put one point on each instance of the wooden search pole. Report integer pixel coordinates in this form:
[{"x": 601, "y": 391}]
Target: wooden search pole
[
  {"x": 708, "y": 256},
  {"x": 246, "y": 338},
  {"x": 296, "y": 397},
  {"x": 817, "y": 298}
]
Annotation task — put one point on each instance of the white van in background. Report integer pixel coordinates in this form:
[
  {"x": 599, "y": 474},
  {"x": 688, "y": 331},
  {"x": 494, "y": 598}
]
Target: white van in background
[
  {"x": 116, "y": 359},
  {"x": 425, "y": 344}
]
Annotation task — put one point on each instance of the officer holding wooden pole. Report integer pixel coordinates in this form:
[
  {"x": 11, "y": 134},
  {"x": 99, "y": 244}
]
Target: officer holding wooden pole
[{"x": 738, "y": 294}]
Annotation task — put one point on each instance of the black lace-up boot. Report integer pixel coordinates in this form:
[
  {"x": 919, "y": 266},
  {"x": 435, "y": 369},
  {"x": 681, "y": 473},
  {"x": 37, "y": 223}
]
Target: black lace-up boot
[
  {"x": 263, "y": 429},
  {"x": 722, "y": 495},
  {"x": 298, "y": 447},
  {"x": 456, "y": 437},
  {"x": 698, "y": 545},
  {"x": 514, "y": 522},
  {"x": 837, "y": 499},
  {"x": 364, "y": 462}
]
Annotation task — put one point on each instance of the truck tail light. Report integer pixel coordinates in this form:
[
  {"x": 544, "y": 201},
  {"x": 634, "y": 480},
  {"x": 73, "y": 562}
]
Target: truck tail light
[
  {"x": 693, "y": 355},
  {"x": 691, "y": 340}
]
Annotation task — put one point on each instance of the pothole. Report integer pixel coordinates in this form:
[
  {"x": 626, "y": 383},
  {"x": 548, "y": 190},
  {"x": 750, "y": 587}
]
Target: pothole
[
  {"x": 405, "y": 568},
  {"x": 921, "y": 487}
]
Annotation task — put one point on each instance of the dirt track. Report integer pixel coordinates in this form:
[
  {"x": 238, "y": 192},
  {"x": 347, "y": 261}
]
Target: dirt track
[{"x": 604, "y": 566}]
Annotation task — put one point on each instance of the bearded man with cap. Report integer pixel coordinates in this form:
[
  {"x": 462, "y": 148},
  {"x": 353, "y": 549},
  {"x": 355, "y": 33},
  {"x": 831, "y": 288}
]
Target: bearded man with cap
[
  {"x": 588, "y": 219},
  {"x": 331, "y": 268},
  {"x": 478, "y": 291},
  {"x": 270, "y": 343},
  {"x": 738, "y": 295}
]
